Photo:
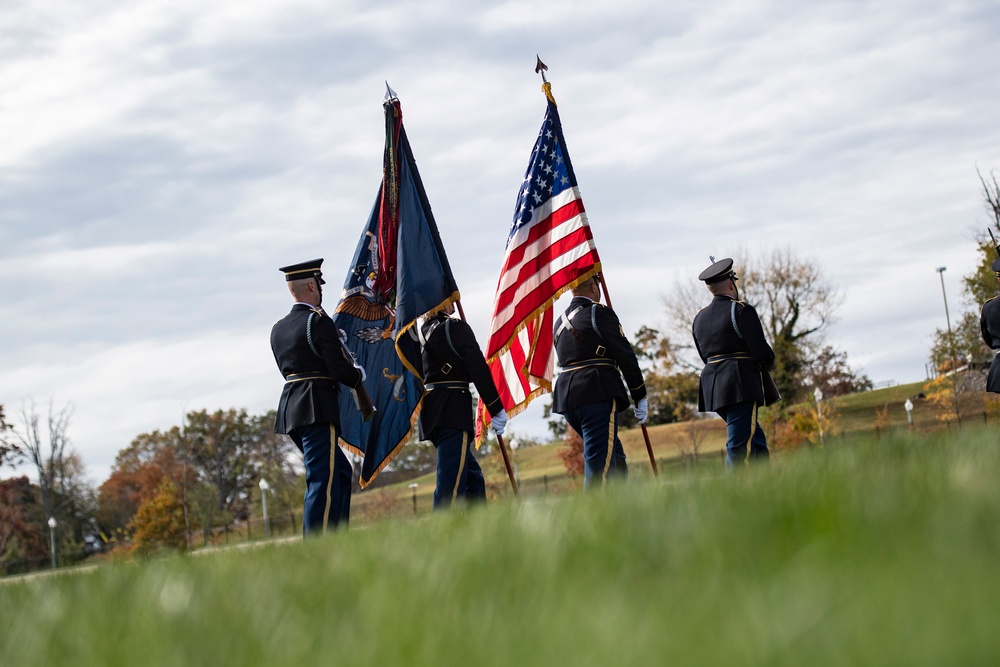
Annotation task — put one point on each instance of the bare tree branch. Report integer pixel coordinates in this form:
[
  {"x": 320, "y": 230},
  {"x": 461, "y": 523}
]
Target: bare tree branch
[
  {"x": 992, "y": 195},
  {"x": 45, "y": 454}
]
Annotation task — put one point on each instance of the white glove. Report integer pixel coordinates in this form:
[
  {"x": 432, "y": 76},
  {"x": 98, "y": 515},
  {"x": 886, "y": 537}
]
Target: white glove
[
  {"x": 364, "y": 376},
  {"x": 641, "y": 410},
  {"x": 499, "y": 422}
]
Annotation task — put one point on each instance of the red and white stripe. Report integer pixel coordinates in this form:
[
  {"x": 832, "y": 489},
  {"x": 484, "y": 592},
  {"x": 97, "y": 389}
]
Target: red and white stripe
[{"x": 544, "y": 258}]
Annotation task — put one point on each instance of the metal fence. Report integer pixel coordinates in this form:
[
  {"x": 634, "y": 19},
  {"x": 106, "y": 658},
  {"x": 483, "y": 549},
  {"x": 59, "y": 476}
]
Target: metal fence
[{"x": 251, "y": 530}]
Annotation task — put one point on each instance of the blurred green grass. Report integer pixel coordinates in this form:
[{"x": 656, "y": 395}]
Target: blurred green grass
[{"x": 871, "y": 551}]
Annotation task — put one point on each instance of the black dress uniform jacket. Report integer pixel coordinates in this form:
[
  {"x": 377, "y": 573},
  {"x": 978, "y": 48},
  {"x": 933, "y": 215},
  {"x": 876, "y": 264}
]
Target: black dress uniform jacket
[
  {"x": 451, "y": 359},
  {"x": 989, "y": 323},
  {"x": 729, "y": 381},
  {"x": 306, "y": 344},
  {"x": 594, "y": 354}
]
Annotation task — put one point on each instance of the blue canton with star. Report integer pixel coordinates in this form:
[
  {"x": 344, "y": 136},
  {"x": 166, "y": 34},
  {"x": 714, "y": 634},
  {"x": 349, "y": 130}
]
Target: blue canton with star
[{"x": 548, "y": 172}]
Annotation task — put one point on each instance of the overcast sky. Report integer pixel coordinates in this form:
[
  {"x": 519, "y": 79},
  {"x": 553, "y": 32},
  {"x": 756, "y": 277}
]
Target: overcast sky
[{"x": 160, "y": 160}]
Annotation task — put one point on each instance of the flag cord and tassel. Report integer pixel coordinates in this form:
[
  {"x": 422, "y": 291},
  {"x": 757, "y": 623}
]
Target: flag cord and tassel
[
  {"x": 503, "y": 449},
  {"x": 645, "y": 433}
]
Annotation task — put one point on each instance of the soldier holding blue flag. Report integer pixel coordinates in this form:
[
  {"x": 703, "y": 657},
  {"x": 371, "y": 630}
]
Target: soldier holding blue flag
[
  {"x": 309, "y": 353},
  {"x": 451, "y": 359}
]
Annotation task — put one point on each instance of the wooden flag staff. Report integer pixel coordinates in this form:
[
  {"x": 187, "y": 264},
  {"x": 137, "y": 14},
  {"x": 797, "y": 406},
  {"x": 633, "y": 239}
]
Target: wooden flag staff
[
  {"x": 645, "y": 433},
  {"x": 503, "y": 450}
]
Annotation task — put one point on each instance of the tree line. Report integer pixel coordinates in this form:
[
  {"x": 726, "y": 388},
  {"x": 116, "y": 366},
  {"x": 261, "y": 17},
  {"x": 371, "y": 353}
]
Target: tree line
[{"x": 163, "y": 487}]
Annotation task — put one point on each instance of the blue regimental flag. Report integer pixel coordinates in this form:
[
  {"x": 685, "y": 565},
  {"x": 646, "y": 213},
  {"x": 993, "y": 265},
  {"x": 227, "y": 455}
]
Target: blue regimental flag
[
  {"x": 424, "y": 281},
  {"x": 399, "y": 273}
]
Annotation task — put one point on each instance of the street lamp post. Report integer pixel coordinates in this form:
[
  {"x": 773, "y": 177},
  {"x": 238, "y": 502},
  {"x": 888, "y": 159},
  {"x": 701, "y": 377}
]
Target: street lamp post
[
  {"x": 818, "y": 395},
  {"x": 413, "y": 488},
  {"x": 52, "y": 539},
  {"x": 264, "y": 486},
  {"x": 947, "y": 316}
]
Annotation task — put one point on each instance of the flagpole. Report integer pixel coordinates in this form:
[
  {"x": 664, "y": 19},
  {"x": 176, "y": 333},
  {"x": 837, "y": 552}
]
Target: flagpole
[
  {"x": 541, "y": 68},
  {"x": 503, "y": 450},
  {"x": 645, "y": 433}
]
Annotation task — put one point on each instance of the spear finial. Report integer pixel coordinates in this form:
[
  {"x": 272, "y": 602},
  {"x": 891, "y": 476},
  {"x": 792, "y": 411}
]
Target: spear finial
[
  {"x": 390, "y": 94},
  {"x": 541, "y": 68}
]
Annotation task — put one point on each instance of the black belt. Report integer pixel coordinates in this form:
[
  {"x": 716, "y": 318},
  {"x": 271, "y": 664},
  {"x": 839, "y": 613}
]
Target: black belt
[
  {"x": 587, "y": 363},
  {"x": 430, "y": 386},
  {"x": 728, "y": 357},
  {"x": 308, "y": 375}
]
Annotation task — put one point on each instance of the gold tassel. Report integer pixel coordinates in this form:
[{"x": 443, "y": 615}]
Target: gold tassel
[{"x": 547, "y": 89}]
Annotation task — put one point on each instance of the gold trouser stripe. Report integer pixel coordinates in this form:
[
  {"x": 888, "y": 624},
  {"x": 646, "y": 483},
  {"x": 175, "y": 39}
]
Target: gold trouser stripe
[
  {"x": 461, "y": 466},
  {"x": 753, "y": 428},
  {"x": 611, "y": 445},
  {"x": 329, "y": 479}
]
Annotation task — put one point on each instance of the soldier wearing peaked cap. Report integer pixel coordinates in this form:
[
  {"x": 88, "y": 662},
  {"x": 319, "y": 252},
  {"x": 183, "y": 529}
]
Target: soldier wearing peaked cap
[
  {"x": 589, "y": 392},
  {"x": 730, "y": 340},
  {"x": 989, "y": 324},
  {"x": 451, "y": 359},
  {"x": 307, "y": 348}
]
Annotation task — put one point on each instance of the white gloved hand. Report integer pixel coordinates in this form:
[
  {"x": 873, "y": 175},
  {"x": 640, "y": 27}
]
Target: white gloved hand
[
  {"x": 642, "y": 410},
  {"x": 364, "y": 376},
  {"x": 499, "y": 422}
]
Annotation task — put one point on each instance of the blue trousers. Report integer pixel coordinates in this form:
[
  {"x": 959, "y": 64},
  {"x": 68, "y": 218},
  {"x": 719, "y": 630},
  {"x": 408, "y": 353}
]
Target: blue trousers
[
  {"x": 459, "y": 476},
  {"x": 328, "y": 478},
  {"x": 743, "y": 431},
  {"x": 603, "y": 455}
]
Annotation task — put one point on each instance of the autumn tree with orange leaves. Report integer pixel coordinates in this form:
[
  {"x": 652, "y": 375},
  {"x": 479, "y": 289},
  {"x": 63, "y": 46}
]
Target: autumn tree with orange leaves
[
  {"x": 206, "y": 472},
  {"x": 160, "y": 521}
]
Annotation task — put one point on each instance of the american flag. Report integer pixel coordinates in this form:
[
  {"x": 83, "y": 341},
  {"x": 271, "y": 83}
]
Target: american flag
[{"x": 550, "y": 249}]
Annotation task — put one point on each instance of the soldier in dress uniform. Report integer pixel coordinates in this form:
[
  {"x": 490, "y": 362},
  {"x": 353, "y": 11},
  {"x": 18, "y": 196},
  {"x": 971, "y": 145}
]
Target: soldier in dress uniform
[
  {"x": 730, "y": 340},
  {"x": 451, "y": 359},
  {"x": 594, "y": 354},
  {"x": 307, "y": 347},
  {"x": 989, "y": 323}
]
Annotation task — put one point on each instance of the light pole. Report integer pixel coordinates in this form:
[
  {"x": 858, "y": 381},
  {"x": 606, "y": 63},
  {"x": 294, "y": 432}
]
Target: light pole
[
  {"x": 264, "y": 486},
  {"x": 947, "y": 317},
  {"x": 818, "y": 395},
  {"x": 909, "y": 411},
  {"x": 52, "y": 539},
  {"x": 413, "y": 488}
]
